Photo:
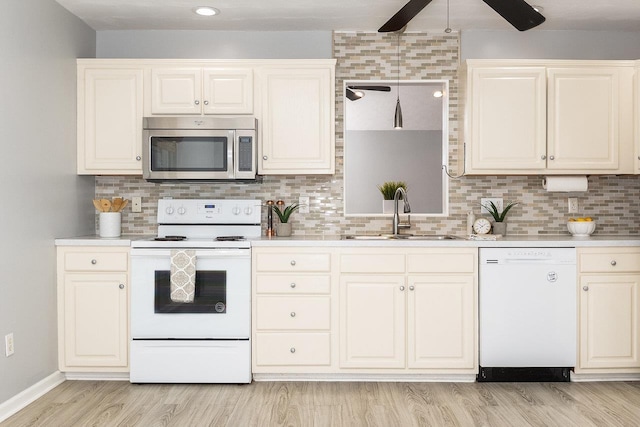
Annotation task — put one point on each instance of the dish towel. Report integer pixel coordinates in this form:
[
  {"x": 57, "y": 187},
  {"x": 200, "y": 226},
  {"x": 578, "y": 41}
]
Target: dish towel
[{"x": 183, "y": 275}]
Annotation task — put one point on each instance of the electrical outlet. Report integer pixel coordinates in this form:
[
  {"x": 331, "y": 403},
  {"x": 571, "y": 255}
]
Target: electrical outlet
[
  {"x": 303, "y": 201},
  {"x": 496, "y": 201},
  {"x": 136, "y": 204},
  {"x": 8, "y": 344},
  {"x": 572, "y": 204}
]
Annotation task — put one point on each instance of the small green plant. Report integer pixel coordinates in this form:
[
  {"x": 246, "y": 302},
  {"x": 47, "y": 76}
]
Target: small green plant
[
  {"x": 284, "y": 214},
  {"x": 388, "y": 189},
  {"x": 493, "y": 210}
]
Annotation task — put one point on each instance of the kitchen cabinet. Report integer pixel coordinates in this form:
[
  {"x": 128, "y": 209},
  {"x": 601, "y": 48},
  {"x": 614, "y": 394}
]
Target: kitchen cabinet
[
  {"x": 609, "y": 310},
  {"x": 109, "y": 127},
  {"x": 293, "y": 322},
  {"x": 548, "y": 117},
  {"x": 297, "y": 119},
  {"x": 215, "y": 90},
  {"x": 636, "y": 118},
  {"x": 409, "y": 309},
  {"x": 93, "y": 321}
]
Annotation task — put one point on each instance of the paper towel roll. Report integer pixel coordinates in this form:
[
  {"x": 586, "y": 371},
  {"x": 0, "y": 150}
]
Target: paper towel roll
[{"x": 565, "y": 183}]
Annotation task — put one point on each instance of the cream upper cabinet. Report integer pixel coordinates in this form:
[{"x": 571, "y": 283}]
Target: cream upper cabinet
[
  {"x": 93, "y": 325},
  {"x": 507, "y": 118},
  {"x": 109, "y": 127},
  {"x": 609, "y": 310},
  {"x": 224, "y": 90},
  {"x": 636, "y": 118},
  {"x": 297, "y": 119},
  {"x": 553, "y": 117}
]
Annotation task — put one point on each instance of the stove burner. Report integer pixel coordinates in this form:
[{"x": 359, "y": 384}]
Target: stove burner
[
  {"x": 229, "y": 238},
  {"x": 171, "y": 238}
]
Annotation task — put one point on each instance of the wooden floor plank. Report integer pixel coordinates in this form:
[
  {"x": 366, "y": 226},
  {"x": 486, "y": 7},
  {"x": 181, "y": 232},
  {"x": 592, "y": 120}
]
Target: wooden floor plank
[{"x": 330, "y": 404}]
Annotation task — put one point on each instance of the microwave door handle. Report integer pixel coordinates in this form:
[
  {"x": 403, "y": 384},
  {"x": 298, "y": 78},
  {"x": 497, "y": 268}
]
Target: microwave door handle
[{"x": 231, "y": 148}]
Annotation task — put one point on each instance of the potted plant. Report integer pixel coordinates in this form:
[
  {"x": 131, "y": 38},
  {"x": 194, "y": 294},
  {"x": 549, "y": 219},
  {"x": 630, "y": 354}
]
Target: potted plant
[
  {"x": 284, "y": 213},
  {"x": 499, "y": 225},
  {"x": 388, "y": 190}
]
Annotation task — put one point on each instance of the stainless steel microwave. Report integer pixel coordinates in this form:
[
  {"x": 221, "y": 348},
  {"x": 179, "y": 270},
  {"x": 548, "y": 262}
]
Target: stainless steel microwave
[{"x": 199, "y": 148}]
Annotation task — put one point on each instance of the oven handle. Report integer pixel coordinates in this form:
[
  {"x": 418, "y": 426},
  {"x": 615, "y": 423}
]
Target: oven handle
[{"x": 200, "y": 253}]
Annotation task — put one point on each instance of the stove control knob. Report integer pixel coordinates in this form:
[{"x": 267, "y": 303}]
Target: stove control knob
[
  {"x": 182, "y": 210},
  {"x": 169, "y": 210},
  {"x": 248, "y": 210},
  {"x": 236, "y": 210}
]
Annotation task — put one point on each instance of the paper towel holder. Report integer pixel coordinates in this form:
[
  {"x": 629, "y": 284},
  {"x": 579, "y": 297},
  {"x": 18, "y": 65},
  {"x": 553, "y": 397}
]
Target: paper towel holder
[{"x": 565, "y": 183}]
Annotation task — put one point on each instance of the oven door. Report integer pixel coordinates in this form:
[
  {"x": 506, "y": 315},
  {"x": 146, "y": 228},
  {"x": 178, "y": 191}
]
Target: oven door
[
  {"x": 222, "y": 304},
  {"x": 188, "y": 154}
]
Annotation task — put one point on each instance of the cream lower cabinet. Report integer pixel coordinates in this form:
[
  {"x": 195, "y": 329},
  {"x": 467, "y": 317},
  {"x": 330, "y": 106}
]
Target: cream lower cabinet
[
  {"x": 408, "y": 309},
  {"x": 609, "y": 310},
  {"x": 293, "y": 303},
  {"x": 109, "y": 128},
  {"x": 297, "y": 119},
  {"x": 93, "y": 320}
]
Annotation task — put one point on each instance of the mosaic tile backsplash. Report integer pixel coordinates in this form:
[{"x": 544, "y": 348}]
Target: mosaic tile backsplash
[{"x": 614, "y": 201}]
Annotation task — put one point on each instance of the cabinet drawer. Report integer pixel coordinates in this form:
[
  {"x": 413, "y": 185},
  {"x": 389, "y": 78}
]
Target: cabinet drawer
[
  {"x": 293, "y": 313},
  {"x": 293, "y": 284},
  {"x": 292, "y": 262},
  {"x": 442, "y": 262},
  {"x": 279, "y": 349},
  {"x": 372, "y": 263},
  {"x": 96, "y": 261},
  {"x": 623, "y": 260}
]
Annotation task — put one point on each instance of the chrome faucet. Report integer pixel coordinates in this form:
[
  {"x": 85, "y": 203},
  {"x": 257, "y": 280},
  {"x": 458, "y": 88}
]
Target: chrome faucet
[{"x": 407, "y": 208}]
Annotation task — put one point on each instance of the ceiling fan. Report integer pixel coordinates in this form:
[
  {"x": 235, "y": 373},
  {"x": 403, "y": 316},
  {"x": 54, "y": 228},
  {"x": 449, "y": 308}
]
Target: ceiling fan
[
  {"x": 517, "y": 12},
  {"x": 354, "y": 92}
]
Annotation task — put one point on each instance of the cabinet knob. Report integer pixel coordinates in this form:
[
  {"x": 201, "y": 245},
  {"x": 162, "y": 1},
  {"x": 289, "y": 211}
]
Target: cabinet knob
[
  {"x": 293, "y": 350},
  {"x": 411, "y": 287},
  {"x": 265, "y": 158},
  {"x": 138, "y": 158},
  {"x": 551, "y": 157},
  {"x": 94, "y": 261},
  {"x": 293, "y": 314},
  {"x": 121, "y": 286},
  {"x": 293, "y": 285},
  {"x": 543, "y": 157},
  {"x": 613, "y": 263},
  {"x": 402, "y": 288},
  {"x": 197, "y": 102},
  {"x": 585, "y": 288},
  {"x": 206, "y": 102},
  {"x": 293, "y": 262}
]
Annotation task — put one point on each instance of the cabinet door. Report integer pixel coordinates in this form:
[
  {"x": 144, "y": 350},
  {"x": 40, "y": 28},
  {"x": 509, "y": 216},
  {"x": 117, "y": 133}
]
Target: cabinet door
[
  {"x": 636, "y": 118},
  {"x": 95, "y": 320},
  {"x": 372, "y": 321},
  {"x": 609, "y": 322},
  {"x": 507, "y": 127},
  {"x": 176, "y": 91},
  {"x": 297, "y": 121},
  {"x": 110, "y": 121},
  {"x": 583, "y": 114},
  {"x": 441, "y": 322},
  {"x": 228, "y": 91}
]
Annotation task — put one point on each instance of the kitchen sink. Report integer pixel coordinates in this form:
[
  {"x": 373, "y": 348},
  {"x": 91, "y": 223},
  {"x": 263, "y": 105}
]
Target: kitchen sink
[{"x": 399, "y": 237}]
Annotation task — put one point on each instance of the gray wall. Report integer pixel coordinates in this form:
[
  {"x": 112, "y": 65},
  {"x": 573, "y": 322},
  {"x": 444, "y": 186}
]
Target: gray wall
[
  {"x": 538, "y": 44},
  {"x": 214, "y": 44},
  {"x": 43, "y": 198}
]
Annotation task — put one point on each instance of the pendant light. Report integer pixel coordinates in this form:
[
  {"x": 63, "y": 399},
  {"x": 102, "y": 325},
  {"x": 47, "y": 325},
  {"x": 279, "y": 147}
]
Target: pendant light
[{"x": 397, "y": 117}]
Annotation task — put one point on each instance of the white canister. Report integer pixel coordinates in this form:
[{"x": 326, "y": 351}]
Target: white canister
[{"x": 110, "y": 224}]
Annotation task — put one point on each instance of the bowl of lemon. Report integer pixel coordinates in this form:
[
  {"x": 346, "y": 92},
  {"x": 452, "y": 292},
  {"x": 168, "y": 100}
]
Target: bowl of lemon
[{"x": 581, "y": 226}]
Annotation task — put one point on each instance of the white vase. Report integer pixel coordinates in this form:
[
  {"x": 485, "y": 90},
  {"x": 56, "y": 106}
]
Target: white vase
[
  {"x": 284, "y": 229},
  {"x": 110, "y": 224},
  {"x": 387, "y": 206}
]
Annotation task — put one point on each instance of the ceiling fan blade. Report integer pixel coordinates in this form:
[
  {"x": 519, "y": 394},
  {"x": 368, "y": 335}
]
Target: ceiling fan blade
[
  {"x": 517, "y": 12},
  {"x": 378, "y": 88},
  {"x": 403, "y": 16}
]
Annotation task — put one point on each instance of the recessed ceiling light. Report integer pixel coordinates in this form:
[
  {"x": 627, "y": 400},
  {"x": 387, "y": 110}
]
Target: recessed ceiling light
[{"x": 206, "y": 11}]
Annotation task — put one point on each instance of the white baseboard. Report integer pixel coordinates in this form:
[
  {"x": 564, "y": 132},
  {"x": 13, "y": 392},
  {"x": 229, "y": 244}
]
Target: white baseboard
[
  {"x": 97, "y": 376},
  {"x": 25, "y": 397},
  {"x": 603, "y": 377}
]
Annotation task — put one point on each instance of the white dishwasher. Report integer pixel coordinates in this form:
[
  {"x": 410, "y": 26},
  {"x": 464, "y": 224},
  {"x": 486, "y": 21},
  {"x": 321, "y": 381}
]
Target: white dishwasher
[{"x": 527, "y": 300}]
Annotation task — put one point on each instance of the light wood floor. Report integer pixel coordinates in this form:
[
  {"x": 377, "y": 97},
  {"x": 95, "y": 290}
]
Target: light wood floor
[{"x": 105, "y": 403}]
